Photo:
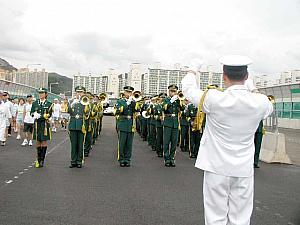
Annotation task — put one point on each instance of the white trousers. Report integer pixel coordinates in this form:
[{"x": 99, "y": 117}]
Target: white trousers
[
  {"x": 2, "y": 133},
  {"x": 227, "y": 200}
]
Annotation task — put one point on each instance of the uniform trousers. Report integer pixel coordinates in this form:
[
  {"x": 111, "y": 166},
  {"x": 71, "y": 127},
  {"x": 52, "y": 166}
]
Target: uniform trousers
[
  {"x": 227, "y": 200},
  {"x": 125, "y": 146}
]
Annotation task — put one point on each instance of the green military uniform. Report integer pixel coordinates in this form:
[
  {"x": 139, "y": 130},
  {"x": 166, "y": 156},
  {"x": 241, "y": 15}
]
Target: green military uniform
[
  {"x": 171, "y": 127},
  {"x": 144, "y": 125},
  {"x": 184, "y": 132},
  {"x": 158, "y": 114},
  {"x": 77, "y": 128},
  {"x": 124, "y": 110},
  {"x": 257, "y": 142},
  {"x": 195, "y": 135},
  {"x": 152, "y": 125},
  {"x": 41, "y": 130},
  {"x": 90, "y": 126}
]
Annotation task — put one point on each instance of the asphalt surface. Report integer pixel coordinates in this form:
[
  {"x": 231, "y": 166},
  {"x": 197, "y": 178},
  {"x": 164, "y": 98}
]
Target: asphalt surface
[{"x": 146, "y": 193}]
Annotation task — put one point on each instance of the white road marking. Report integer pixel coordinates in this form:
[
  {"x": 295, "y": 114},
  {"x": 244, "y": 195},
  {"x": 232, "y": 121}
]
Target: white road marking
[{"x": 30, "y": 166}]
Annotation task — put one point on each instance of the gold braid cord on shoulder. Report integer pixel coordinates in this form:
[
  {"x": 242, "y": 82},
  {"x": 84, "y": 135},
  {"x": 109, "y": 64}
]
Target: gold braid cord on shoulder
[{"x": 200, "y": 114}]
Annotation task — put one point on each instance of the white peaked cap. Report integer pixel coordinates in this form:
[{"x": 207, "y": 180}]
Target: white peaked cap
[{"x": 235, "y": 60}]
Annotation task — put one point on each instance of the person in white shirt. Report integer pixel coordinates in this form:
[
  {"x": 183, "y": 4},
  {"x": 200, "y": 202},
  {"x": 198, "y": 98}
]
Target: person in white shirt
[
  {"x": 56, "y": 114},
  {"x": 9, "y": 105},
  {"x": 28, "y": 122},
  {"x": 227, "y": 146},
  {"x": 20, "y": 117},
  {"x": 4, "y": 116},
  {"x": 15, "y": 108}
]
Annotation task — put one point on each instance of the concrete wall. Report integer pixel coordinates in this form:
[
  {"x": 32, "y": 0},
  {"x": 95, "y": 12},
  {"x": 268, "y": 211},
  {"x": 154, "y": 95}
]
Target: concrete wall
[{"x": 286, "y": 123}]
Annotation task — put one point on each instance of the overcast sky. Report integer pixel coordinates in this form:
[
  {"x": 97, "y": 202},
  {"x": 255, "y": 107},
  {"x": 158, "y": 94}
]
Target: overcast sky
[{"x": 68, "y": 36}]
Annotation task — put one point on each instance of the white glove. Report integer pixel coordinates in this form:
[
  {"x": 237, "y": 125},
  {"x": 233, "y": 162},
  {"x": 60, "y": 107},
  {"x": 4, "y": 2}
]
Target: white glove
[
  {"x": 174, "y": 98},
  {"x": 129, "y": 100},
  {"x": 36, "y": 115},
  {"x": 250, "y": 85},
  {"x": 75, "y": 100},
  {"x": 196, "y": 65}
]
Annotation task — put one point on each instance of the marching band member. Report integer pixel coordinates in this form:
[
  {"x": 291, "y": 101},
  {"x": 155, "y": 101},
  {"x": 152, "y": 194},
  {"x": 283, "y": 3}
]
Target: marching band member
[
  {"x": 184, "y": 129},
  {"x": 77, "y": 127},
  {"x": 227, "y": 145},
  {"x": 158, "y": 114},
  {"x": 151, "y": 109},
  {"x": 41, "y": 111},
  {"x": 144, "y": 124},
  {"x": 195, "y": 134},
  {"x": 124, "y": 110},
  {"x": 171, "y": 108},
  {"x": 89, "y": 124}
]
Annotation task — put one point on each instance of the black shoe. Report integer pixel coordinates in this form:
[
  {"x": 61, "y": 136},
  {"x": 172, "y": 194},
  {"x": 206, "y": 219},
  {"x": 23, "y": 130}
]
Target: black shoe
[
  {"x": 127, "y": 164},
  {"x": 122, "y": 164},
  {"x": 167, "y": 164},
  {"x": 79, "y": 166},
  {"x": 73, "y": 166},
  {"x": 172, "y": 164},
  {"x": 256, "y": 166},
  {"x": 86, "y": 155}
]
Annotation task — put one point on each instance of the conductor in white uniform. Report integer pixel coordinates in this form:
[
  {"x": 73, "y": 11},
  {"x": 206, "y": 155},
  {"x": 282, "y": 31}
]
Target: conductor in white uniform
[{"x": 227, "y": 147}]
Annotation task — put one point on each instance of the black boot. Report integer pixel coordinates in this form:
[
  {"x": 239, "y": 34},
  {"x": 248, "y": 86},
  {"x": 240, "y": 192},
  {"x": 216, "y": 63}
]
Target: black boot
[
  {"x": 38, "y": 157},
  {"x": 44, "y": 151}
]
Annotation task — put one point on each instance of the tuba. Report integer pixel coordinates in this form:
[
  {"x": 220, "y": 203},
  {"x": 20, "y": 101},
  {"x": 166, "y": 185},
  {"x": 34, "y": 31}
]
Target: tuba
[{"x": 137, "y": 96}]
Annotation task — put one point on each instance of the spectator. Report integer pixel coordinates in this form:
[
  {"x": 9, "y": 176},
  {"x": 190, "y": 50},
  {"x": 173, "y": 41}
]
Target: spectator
[
  {"x": 9, "y": 105},
  {"x": 15, "y": 108},
  {"x": 56, "y": 114},
  {"x": 20, "y": 117},
  {"x": 4, "y": 117},
  {"x": 28, "y": 122}
]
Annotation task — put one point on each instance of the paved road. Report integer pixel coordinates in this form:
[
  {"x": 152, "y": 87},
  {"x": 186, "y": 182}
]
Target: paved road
[{"x": 146, "y": 193}]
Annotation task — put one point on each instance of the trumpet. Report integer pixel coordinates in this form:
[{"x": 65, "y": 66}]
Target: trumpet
[
  {"x": 271, "y": 98},
  {"x": 137, "y": 96},
  {"x": 85, "y": 100},
  {"x": 121, "y": 95},
  {"x": 103, "y": 97},
  {"x": 181, "y": 96}
]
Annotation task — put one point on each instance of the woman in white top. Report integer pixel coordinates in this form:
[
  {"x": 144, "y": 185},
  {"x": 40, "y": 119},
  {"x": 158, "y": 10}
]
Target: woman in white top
[
  {"x": 28, "y": 122},
  {"x": 56, "y": 114},
  {"x": 20, "y": 117}
]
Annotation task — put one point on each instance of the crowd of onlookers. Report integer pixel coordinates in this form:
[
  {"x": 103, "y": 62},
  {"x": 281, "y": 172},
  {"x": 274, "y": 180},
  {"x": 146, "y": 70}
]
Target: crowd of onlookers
[{"x": 15, "y": 117}]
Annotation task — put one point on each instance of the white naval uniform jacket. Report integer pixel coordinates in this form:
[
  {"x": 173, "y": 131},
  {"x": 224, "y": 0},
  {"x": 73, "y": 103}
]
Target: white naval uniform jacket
[{"x": 232, "y": 117}]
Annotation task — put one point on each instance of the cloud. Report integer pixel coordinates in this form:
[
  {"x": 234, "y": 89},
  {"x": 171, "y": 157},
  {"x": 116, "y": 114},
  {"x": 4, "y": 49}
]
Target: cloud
[{"x": 112, "y": 34}]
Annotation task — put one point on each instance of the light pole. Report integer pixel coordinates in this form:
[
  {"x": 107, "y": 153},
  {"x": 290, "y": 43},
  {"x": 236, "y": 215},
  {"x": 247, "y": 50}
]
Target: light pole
[{"x": 51, "y": 86}]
